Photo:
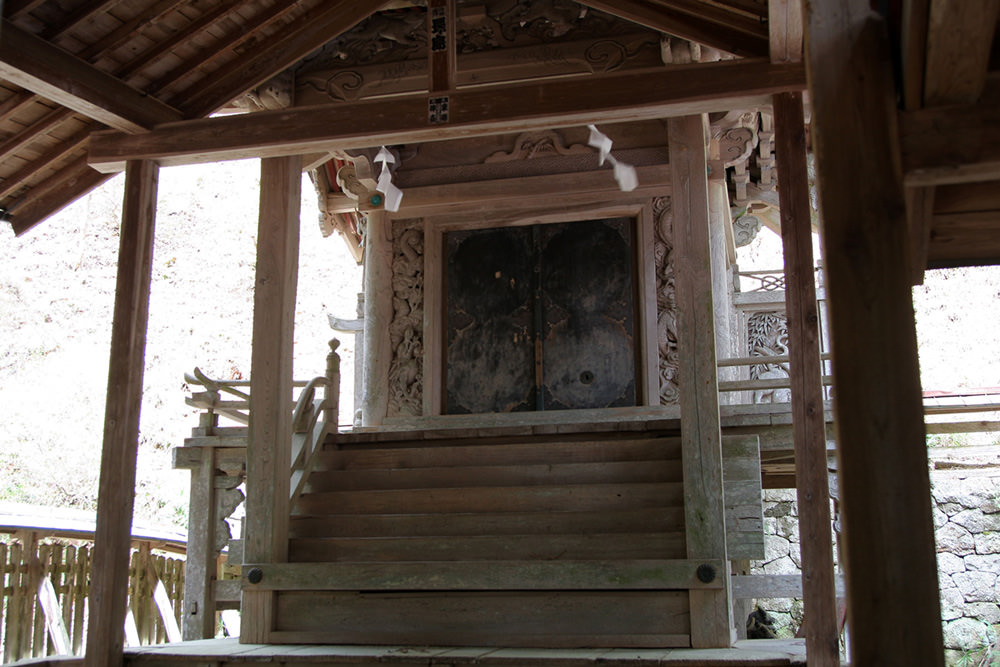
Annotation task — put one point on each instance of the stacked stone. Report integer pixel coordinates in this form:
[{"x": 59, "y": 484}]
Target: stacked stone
[{"x": 967, "y": 526}]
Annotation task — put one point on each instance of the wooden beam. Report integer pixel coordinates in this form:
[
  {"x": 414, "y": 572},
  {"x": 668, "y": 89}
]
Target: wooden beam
[
  {"x": 53, "y": 194},
  {"x": 953, "y": 144},
  {"x": 441, "y": 44},
  {"x": 300, "y": 38},
  {"x": 699, "y": 22},
  {"x": 113, "y": 533},
  {"x": 808, "y": 422},
  {"x": 485, "y": 575},
  {"x": 701, "y": 437},
  {"x": 920, "y": 215},
  {"x": 964, "y": 239},
  {"x": 916, "y": 14},
  {"x": 884, "y": 485},
  {"x": 959, "y": 37},
  {"x": 39, "y": 66},
  {"x": 473, "y": 112},
  {"x": 270, "y": 429},
  {"x": 785, "y": 27}
]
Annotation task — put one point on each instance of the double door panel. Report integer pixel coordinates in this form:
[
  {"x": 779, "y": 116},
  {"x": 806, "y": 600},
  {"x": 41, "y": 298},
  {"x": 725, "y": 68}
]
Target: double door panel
[{"x": 541, "y": 317}]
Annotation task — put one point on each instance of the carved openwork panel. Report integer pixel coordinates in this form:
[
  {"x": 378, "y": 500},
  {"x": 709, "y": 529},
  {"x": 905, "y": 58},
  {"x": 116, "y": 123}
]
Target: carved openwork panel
[
  {"x": 767, "y": 336},
  {"x": 666, "y": 302},
  {"x": 406, "y": 333}
]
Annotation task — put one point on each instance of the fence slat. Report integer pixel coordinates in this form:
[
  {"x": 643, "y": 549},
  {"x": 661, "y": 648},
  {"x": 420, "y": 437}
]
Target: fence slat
[
  {"x": 12, "y": 630},
  {"x": 80, "y": 593},
  {"x": 3, "y": 586}
]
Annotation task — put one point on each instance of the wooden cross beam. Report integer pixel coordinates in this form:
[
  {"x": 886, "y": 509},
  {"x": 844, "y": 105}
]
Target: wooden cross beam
[{"x": 459, "y": 113}]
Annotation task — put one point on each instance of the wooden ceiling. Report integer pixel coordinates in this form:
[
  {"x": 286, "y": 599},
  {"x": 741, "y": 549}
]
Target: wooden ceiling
[{"x": 69, "y": 68}]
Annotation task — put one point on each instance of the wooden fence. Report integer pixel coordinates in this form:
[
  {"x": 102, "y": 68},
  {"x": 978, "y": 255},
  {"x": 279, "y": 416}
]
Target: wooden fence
[{"x": 45, "y": 591}]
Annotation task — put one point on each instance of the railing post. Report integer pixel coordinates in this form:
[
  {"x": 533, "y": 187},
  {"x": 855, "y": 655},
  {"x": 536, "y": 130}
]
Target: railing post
[{"x": 332, "y": 392}]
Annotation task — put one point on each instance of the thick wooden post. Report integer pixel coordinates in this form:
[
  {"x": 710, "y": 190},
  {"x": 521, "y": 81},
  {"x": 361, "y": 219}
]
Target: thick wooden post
[
  {"x": 893, "y": 602},
  {"x": 378, "y": 316},
  {"x": 270, "y": 429},
  {"x": 198, "y": 619},
  {"x": 808, "y": 421},
  {"x": 113, "y": 534},
  {"x": 701, "y": 439}
]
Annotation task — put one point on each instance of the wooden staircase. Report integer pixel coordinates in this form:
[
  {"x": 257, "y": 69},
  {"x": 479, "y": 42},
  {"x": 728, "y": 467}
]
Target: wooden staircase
[{"x": 555, "y": 541}]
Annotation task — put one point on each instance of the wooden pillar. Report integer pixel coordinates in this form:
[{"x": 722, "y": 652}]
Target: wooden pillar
[
  {"x": 198, "y": 618},
  {"x": 113, "y": 534},
  {"x": 378, "y": 316},
  {"x": 701, "y": 439},
  {"x": 719, "y": 217},
  {"x": 808, "y": 421},
  {"x": 270, "y": 429},
  {"x": 893, "y": 602}
]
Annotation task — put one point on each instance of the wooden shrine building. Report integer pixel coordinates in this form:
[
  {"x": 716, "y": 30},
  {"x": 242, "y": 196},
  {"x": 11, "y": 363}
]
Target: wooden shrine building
[{"x": 541, "y": 459}]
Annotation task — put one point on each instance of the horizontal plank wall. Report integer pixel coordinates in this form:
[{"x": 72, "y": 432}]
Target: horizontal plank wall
[
  {"x": 893, "y": 602},
  {"x": 270, "y": 428},
  {"x": 116, "y": 499}
]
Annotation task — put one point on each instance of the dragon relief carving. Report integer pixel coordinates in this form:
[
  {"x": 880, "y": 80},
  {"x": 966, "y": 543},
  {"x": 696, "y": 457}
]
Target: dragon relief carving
[
  {"x": 767, "y": 336},
  {"x": 666, "y": 302},
  {"x": 406, "y": 332},
  {"x": 545, "y": 143}
]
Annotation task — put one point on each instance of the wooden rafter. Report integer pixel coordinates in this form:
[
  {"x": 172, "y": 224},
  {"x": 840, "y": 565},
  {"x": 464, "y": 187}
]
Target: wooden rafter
[
  {"x": 299, "y": 38},
  {"x": 473, "y": 112},
  {"x": 16, "y": 180},
  {"x": 78, "y": 16},
  {"x": 37, "y": 65},
  {"x": 127, "y": 30},
  {"x": 15, "y": 8},
  {"x": 247, "y": 31},
  {"x": 165, "y": 46},
  {"x": 49, "y": 121},
  {"x": 699, "y": 22}
]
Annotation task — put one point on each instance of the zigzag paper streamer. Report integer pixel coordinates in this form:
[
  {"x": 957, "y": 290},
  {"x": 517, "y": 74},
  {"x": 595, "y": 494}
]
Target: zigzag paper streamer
[{"x": 624, "y": 173}]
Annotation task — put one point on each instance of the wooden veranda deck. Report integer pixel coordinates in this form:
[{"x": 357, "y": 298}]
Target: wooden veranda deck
[{"x": 219, "y": 652}]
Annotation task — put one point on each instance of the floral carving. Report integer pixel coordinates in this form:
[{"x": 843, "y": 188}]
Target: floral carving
[
  {"x": 406, "y": 332},
  {"x": 666, "y": 302}
]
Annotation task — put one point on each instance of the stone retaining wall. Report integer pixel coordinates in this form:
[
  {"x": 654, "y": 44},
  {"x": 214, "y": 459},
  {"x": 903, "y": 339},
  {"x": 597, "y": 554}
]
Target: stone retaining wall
[{"x": 967, "y": 523}]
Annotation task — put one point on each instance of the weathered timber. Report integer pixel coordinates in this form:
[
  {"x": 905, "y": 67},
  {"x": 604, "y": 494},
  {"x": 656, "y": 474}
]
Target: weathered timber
[
  {"x": 378, "y": 317},
  {"x": 885, "y": 490},
  {"x": 495, "y": 575},
  {"x": 805, "y": 371},
  {"x": 713, "y": 26},
  {"x": 959, "y": 36},
  {"x": 553, "y": 619},
  {"x": 472, "y": 112},
  {"x": 116, "y": 497},
  {"x": 952, "y": 144},
  {"x": 39, "y": 66},
  {"x": 270, "y": 429},
  {"x": 700, "y": 431}
]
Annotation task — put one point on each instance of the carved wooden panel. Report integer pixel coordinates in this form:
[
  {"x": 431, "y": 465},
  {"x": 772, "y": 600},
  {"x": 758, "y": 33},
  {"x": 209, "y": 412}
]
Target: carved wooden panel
[{"x": 541, "y": 318}]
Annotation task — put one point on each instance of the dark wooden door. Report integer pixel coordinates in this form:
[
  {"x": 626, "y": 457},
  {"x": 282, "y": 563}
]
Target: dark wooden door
[{"x": 541, "y": 318}]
